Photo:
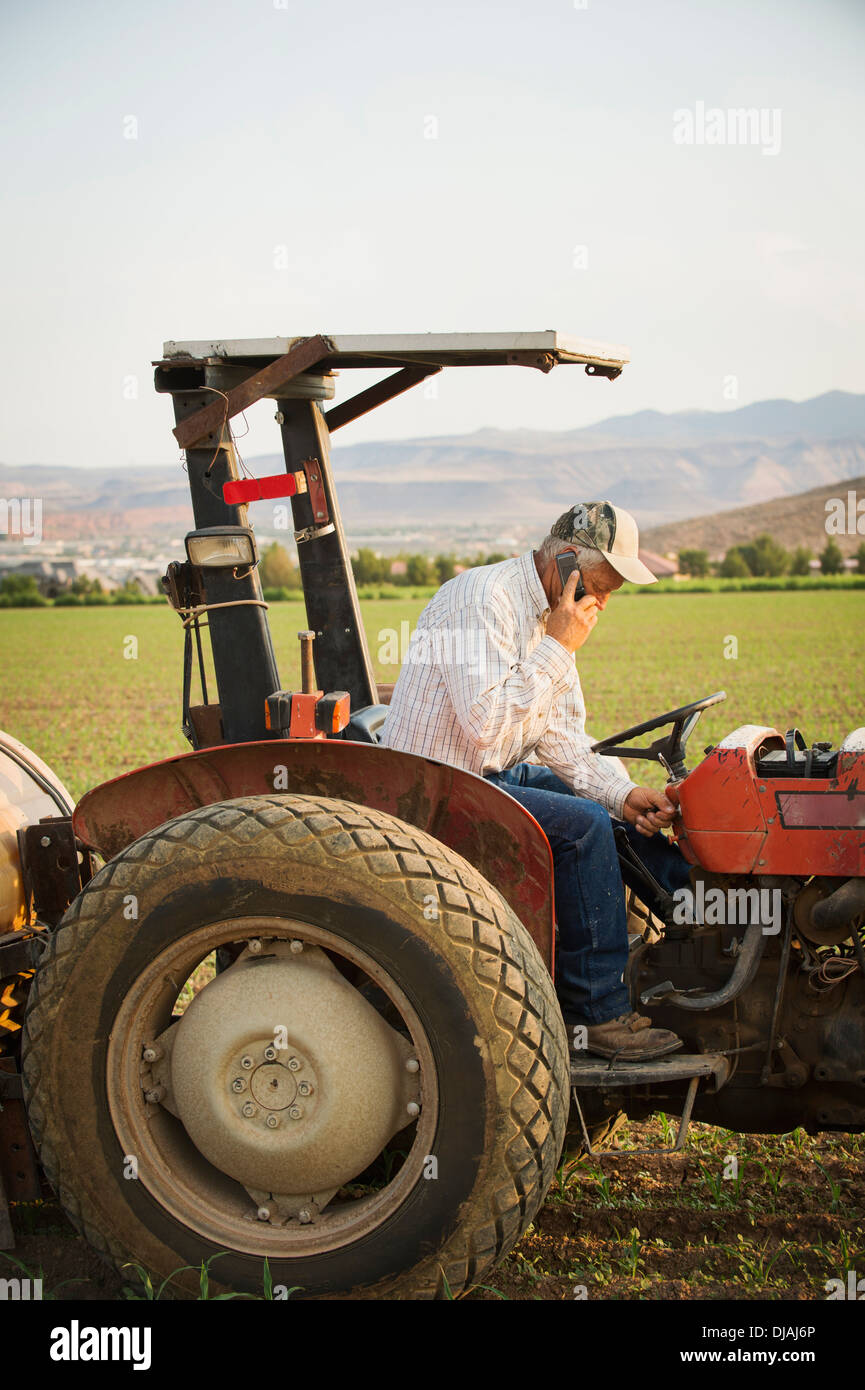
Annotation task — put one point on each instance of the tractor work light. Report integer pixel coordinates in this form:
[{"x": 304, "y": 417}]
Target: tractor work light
[{"x": 222, "y": 547}]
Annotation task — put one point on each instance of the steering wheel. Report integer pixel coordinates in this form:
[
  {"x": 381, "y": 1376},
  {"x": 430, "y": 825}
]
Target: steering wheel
[{"x": 669, "y": 751}]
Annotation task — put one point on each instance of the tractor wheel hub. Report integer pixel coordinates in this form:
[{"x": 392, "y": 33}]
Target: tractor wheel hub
[
  {"x": 273, "y": 1086},
  {"x": 317, "y": 1115}
]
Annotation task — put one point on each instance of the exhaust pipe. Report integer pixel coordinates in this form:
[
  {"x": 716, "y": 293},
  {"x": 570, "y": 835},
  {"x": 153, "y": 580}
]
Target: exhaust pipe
[{"x": 747, "y": 963}]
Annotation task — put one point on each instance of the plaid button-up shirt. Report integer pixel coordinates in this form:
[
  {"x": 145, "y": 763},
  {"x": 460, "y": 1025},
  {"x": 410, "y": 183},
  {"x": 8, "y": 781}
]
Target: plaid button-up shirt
[{"x": 483, "y": 687}]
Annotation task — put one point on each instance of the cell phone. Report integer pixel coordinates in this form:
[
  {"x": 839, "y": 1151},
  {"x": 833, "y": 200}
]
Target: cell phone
[{"x": 566, "y": 563}]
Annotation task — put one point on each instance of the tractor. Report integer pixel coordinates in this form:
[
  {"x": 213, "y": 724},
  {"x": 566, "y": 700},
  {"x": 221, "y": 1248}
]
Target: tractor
[{"x": 289, "y": 996}]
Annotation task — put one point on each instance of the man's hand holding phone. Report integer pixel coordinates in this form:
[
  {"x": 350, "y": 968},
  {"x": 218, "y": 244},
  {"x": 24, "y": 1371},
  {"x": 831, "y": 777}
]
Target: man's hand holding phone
[{"x": 571, "y": 622}]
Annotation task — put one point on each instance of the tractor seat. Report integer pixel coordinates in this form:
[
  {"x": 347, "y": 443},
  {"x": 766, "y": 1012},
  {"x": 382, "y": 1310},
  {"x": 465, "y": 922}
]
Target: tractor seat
[{"x": 365, "y": 724}]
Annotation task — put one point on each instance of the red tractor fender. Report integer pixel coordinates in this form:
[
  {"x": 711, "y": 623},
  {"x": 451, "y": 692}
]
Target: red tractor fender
[
  {"x": 737, "y": 822},
  {"x": 470, "y": 815}
]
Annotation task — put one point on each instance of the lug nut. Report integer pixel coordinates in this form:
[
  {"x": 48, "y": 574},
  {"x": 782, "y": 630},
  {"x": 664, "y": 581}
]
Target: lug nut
[
  {"x": 248, "y": 1109},
  {"x": 293, "y": 1064},
  {"x": 304, "y": 1088},
  {"x": 295, "y": 1111},
  {"x": 152, "y": 1054},
  {"x": 254, "y": 946},
  {"x": 238, "y": 1084},
  {"x": 246, "y": 1063},
  {"x": 296, "y": 948},
  {"x": 412, "y": 1064},
  {"x": 270, "y": 1053},
  {"x": 413, "y": 1108},
  {"x": 304, "y": 1216},
  {"x": 272, "y": 1121},
  {"x": 263, "y": 1213},
  {"x": 155, "y": 1096}
]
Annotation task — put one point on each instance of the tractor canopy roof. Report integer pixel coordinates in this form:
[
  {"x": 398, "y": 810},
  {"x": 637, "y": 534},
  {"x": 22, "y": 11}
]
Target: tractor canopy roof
[
  {"x": 245, "y": 370},
  {"x": 544, "y": 350}
]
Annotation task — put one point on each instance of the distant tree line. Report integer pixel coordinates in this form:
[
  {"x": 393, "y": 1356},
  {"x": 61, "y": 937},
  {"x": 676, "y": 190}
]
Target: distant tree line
[
  {"x": 277, "y": 571},
  {"x": 764, "y": 556},
  {"x": 22, "y": 591},
  {"x": 370, "y": 568}
]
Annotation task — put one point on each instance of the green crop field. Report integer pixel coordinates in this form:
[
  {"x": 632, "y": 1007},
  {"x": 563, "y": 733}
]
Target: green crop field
[
  {"x": 96, "y": 692},
  {"x": 68, "y": 690}
]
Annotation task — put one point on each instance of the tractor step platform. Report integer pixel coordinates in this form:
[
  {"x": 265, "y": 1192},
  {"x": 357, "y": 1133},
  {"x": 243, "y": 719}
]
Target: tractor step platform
[{"x": 599, "y": 1073}]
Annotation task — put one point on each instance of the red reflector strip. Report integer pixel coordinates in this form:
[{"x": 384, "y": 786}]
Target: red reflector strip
[{"x": 256, "y": 489}]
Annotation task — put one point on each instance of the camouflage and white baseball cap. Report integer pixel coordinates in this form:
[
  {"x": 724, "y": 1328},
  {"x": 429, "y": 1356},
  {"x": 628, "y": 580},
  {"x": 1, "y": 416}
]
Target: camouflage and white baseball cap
[{"x": 609, "y": 529}]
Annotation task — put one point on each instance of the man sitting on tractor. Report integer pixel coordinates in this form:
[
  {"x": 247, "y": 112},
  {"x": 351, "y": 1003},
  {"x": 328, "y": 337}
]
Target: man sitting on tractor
[{"x": 490, "y": 684}]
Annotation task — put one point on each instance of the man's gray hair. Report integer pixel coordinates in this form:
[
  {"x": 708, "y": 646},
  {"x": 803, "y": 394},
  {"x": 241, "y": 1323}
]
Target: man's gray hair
[{"x": 588, "y": 558}]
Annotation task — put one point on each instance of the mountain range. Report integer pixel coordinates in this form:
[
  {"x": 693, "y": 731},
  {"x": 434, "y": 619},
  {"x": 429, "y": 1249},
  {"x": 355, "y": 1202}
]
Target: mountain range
[{"x": 664, "y": 468}]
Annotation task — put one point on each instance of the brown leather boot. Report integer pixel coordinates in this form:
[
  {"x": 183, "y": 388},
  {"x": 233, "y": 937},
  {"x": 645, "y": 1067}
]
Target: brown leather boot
[{"x": 631, "y": 1038}]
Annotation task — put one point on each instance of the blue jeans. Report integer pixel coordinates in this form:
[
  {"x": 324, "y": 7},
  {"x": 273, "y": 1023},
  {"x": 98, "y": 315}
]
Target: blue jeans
[{"x": 590, "y": 901}]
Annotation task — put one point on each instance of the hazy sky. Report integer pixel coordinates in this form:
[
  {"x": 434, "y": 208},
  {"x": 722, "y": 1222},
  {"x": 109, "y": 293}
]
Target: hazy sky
[{"x": 281, "y": 180}]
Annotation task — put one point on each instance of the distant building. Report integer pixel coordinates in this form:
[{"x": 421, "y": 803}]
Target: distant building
[
  {"x": 661, "y": 567},
  {"x": 849, "y": 565},
  {"x": 55, "y": 577},
  {"x": 147, "y": 581},
  {"x": 43, "y": 571}
]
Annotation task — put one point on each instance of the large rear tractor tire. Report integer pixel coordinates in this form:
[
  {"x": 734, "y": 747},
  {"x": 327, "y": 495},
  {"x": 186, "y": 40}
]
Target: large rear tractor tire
[{"x": 370, "y": 1090}]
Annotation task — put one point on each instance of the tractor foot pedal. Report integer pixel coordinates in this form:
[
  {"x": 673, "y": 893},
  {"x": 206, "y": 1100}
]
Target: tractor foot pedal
[{"x": 597, "y": 1073}]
